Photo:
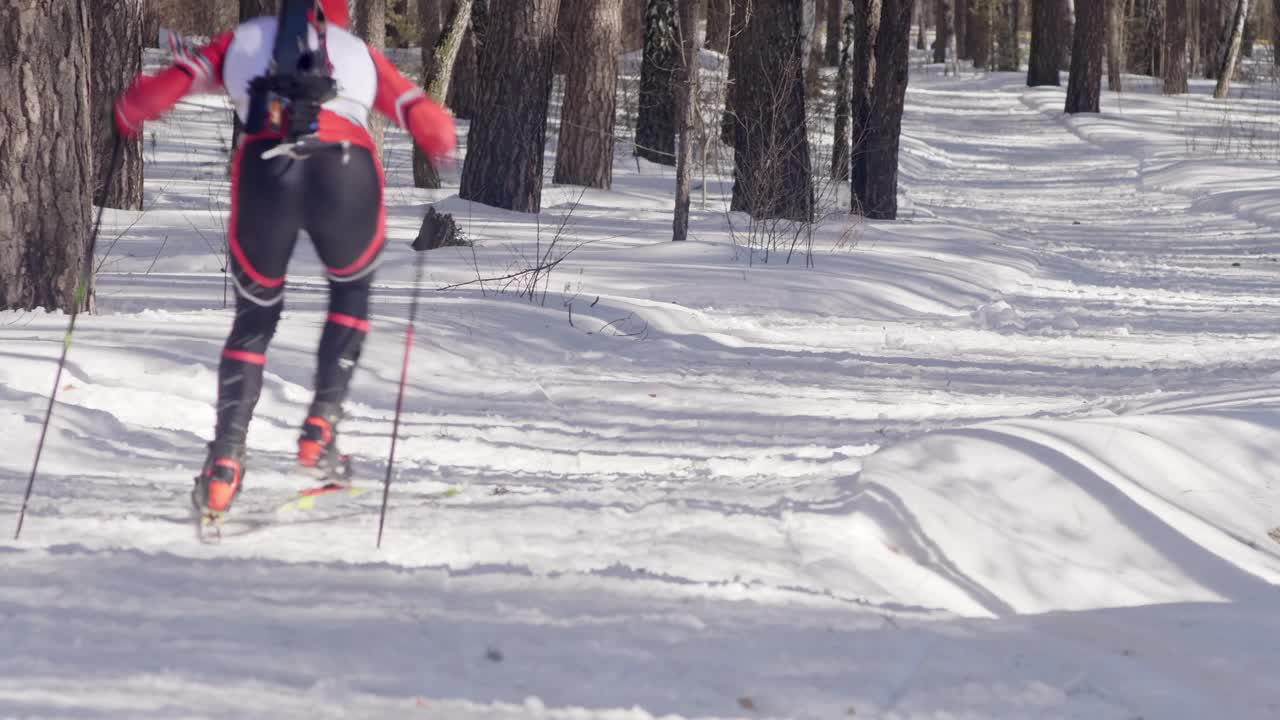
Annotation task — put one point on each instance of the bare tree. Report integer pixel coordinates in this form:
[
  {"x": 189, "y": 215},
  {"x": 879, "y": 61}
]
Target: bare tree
[
  {"x": 507, "y": 139},
  {"x": 719, "y": 13},
  {"x": 437, "y": 72},
  {"x": 978, "y": 38},
  {"x": 1115, "y": 20},
  {"x": 1232, "y": 49},
  {"x": 772, "y": 177},
  {"x": 961, "y": 16},
  {"x": 1042, "y": 66},
  {"x": 585, "y": 153},
  {"x": 1008, "y": 51},
  {"x": 46, "y": 152},
  {"x": 633, "y": 14},
  {"x": 371, "y": 24},
  {"x": 1275, "y": 32},
  {"x": 742, "y": 10},
  {"x": 942, "y": 21},
  {"x": 1175, "y": 47},
  {"x": 840, "y": 141},
  {"x": 687, "y": 34},
  {"x": 882, "y": 33},
  {"x": 655, "y": 118},
  {"x": 1084, "y": 86},
  {"x": 835, "y": 30},
  {"x": 465, "y": 86},
  {"x": 116, "y": 28}
]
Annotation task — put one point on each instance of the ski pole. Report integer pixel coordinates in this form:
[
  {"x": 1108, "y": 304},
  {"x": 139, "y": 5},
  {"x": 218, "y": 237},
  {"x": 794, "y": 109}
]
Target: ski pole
[
  {"x": 404, "y": 373},
  {"x": 82, "y": 289}
]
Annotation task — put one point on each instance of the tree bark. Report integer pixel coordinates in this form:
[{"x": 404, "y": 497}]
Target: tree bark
[
  {"x": 655, "y": 121},
  {"x": 922, "y": 13},
  {"x": 1084, "y": 87},
  {"x": 687, "y": 33},
  {"x": 813, "y": 49},
  {"x": 585, "y": 152},
  {"x": 866, "y": 28},
  {"x": 840, "y": 142},
  {"x": 1115, "y": 10},
  {"x": 46, "y": 152},
  {"x": 961, "y": 16},
  {"x": 437, "y": 71},
  {"x": 464, "y": 89},
  {"x": 1232, "y": 50},
  {"x": 1275, "y": 32},
  {"x": 880, "y": 88},
  {"x": 1042, "y": 66},
  {"x": 371, "y": 24},
  {"x": 633, "y": 24},
  {"x": 116, "y": 31},
  {"x": 1175, "y": 48},
  {"x": 507, "y": 140},
  {"x": 772, "y": 177},
  {"x": 942, "y": 37},
  {"x": 738, "y": 21},
  {"x": 835, "y": 30},
  {"x": 1008, "y": 53},
  {"x": 719, "y": 17},
  {"x": 978, "y": 38}
]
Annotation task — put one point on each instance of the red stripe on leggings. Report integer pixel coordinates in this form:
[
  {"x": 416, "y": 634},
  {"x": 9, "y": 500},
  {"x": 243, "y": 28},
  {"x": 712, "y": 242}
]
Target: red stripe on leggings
[
  {"x": 350, "y": 321},
  {"x": 243, "y": 356}
]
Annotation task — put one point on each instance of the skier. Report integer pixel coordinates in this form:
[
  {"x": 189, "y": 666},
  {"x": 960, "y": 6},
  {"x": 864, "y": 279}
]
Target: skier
[{"x": 306, "y": 161}]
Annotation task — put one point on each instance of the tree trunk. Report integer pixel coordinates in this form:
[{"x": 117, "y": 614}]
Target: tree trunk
[
  {"x": 866, "y": 28},
  {"x": 1215, "y": 33},
  {"x": 772, "y": 176},
  {"x": 1175, "y": 47},
  {"x": 1084, "y": 86},
  {"x": 507, "y": 140},
  {"x": 437, "y": 71},
  {"x": 719, "y": 13},
  {"x": 371, "y": 24},
  {"x": 585, "y": 152},
  {"x": 813, "y": 49},
  {"x": 961, "y": 16},
  {"x": 116, "y": 29},
  {"x": 880, "y": 88},
  {"x": 1275, "y": 32},
  {"x": 1250, "y": 32},
  {"x": 840, "y": 142},
  {"x": 687, "y": 33},
  {"x": 1233, "y": 49},
  {"x": 633, "y": 24},
  {"x": 655, "y": 121},
  {"x": 728, "y": 123},
  {"x": 1066, "y": 26},
  {"x": 1008, "y": 55},
  {"x": 978, "y": 39},
  {"x": 922, "y": 13},
  {"x": 942, "y": 37},
  {"x": 1042, "y": 66},
  {"x": 835, "y": 29},
  {"x": 1115, "y": 22},
  {"x": 46, "y": 153},
  {"x": 466, "y": 76}
]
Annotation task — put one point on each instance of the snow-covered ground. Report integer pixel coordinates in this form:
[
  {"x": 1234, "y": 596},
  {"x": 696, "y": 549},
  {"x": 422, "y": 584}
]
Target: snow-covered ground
[{"x": 1014, "y": 456}]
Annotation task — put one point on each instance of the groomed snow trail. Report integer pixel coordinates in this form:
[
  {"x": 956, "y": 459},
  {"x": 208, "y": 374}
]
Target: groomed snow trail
[{"x": 666, "y": 502}]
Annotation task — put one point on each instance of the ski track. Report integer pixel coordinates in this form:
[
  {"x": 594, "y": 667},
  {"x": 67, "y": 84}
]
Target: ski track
[{"x": 663, "y": 508}]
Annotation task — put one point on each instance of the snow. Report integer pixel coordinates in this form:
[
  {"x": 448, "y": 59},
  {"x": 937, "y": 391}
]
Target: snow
[{"x": 1012, "y": 456}]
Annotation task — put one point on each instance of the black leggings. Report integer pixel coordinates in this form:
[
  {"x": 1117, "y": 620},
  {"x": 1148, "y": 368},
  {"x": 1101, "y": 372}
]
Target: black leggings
[{"x": 335, "y": 194}]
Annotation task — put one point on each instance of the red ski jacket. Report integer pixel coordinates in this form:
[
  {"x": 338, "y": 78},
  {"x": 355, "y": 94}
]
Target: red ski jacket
[{"x": 365, "y": 79}]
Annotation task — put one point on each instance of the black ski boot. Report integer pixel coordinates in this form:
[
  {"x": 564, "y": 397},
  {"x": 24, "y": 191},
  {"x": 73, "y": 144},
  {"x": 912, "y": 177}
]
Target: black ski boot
[{"x": 318, "y": 446}]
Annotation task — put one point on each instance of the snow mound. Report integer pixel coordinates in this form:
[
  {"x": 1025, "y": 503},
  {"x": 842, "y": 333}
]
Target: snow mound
[{"x": 1169, "y": 505}]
